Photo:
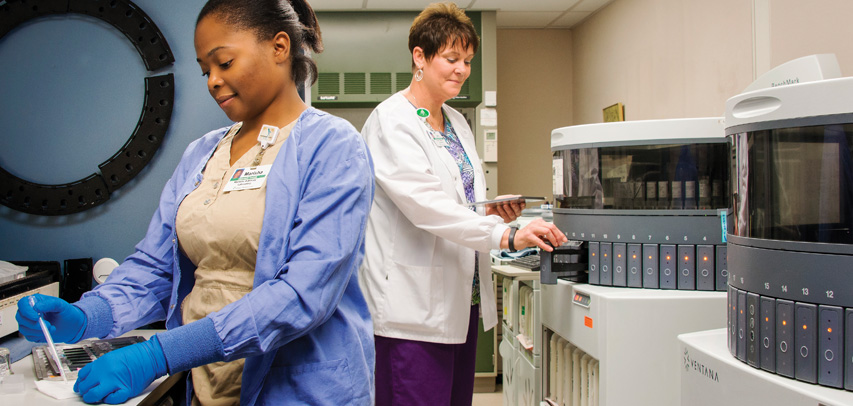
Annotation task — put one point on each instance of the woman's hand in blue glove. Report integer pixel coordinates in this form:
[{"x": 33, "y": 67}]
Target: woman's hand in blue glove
[
  {"x": 121, "y": 374},
  {"x": 65, "y": 321}
]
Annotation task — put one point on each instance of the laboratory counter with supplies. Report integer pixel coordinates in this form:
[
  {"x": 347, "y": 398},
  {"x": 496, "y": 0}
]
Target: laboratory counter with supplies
[
  {"x": 24, "y": 387},
  {"x": 519, "y": 343}
]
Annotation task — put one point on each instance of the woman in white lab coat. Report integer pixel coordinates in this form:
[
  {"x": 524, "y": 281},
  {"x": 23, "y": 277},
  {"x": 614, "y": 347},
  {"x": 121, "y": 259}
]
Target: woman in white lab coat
[{"x": 426, "y": 266}]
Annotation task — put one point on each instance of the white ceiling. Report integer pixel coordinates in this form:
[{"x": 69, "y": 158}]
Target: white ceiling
[{"x": 510, "y": 13}]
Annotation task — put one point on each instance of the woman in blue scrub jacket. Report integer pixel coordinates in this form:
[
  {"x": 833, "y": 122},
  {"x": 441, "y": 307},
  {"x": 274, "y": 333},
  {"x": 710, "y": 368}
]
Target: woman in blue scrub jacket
[{"x": 256, "y": 281}]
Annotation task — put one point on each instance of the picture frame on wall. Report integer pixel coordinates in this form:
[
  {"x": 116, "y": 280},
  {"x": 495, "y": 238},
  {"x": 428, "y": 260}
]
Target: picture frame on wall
[{"x": 614, "y": 112}]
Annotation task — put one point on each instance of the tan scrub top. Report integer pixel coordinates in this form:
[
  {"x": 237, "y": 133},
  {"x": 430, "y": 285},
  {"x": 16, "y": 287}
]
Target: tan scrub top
[{"x": 219, "y": 232}]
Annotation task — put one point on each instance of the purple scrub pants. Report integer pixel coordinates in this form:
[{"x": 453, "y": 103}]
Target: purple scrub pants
[{"x": 414, "y": 373}]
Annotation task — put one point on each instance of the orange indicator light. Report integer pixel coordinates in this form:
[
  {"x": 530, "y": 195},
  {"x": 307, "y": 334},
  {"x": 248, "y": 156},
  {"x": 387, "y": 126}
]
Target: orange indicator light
[
  {"x": 635, "y": 256},
  {"x": 650, "y": 257},
  {"x": 667, "y": 257},
  {"x": 784, "y": 322},
  {"x": 686, "y": 258},
  {"x": 705, "y": 258},
  {"x": 767, "y": 319},
  {"x": 829, "y": 330},
  {"x": 804, "y": 326},
  {"x": 593, "y": 254}
]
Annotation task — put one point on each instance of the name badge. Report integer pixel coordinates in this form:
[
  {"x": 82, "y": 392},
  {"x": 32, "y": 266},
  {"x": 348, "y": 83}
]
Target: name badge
[
  {"x": 248, "y": 178},
  {"x": 440, "y": 142}
]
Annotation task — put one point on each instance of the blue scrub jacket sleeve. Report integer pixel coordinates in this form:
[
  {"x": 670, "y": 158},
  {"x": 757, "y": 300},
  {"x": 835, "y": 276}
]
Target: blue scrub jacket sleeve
[
  {"x": 191, "y": 345},
  {"x": 138, "y": 291},
  {"x": 298, "y": 288},
  {"x": 99, "y": 317}
]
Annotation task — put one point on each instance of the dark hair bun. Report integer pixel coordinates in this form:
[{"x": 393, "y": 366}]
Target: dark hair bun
[{"x": 267, "y": 18}]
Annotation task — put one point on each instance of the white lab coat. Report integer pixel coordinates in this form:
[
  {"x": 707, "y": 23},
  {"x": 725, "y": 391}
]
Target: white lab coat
[{"x": 419, "y": 248}]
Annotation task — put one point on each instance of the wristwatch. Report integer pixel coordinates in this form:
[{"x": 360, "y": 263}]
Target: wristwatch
[{"x": 511, "y": 244}]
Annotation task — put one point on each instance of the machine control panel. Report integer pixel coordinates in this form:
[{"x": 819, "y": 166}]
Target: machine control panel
[
  {"x": 705, "y": 258},
  {"x": 686, "y": 267},
  {"x": 606, "y": 264},
  {"x": 809, "y": 342},
  {"x": 620, "y": 264},
  {"x": 767, "y": 335},
  {"x": 635, "y": 266},
  {"x": 594, "y": 269},
  {"x": 652, "y": 266},
  {"x": 830, "y": 343},
  {"x": 668, "y": 267},
  {"x": 581, "y": 299}
]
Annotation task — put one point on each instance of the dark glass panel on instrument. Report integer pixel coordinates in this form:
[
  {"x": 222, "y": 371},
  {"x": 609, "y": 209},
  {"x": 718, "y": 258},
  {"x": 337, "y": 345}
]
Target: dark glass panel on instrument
[
  {"x": 658, "y": 177},
  {"x": 796, "y": 184}
]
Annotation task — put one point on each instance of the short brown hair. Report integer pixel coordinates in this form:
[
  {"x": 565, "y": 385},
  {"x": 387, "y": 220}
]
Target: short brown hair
[{"x": 442, "y": 24}]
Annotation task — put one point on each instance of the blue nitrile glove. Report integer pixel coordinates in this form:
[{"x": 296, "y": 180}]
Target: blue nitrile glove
[
  {"x": 65, "y": 321},
  {"x": 121, "y": 374}
]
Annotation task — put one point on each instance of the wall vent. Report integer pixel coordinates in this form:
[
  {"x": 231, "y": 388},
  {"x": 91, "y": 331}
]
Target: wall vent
[
  {"x": 362, "y": 82},
  {"x": 403, "y": 80},
  {"x": 355, "y": 83},
  {"x": 380, "y": 83},
  {"x": 328, "y": 83}
]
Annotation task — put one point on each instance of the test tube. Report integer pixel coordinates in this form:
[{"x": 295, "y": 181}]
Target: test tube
[
  {"x": 663, "y": 194},
  {"x": 651, "y": 194},
  {"x": 704, "y": 193},
  {"x": 5, "y": 362},
  {"x": 689, "y": 194},
  {"x": 677, "y": 194}
]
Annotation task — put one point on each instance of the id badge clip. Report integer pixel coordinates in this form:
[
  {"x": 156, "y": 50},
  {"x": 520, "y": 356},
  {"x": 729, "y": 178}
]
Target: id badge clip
[
  {"x": 436, "y": 136},
  {"x": 268, "y": 135}
]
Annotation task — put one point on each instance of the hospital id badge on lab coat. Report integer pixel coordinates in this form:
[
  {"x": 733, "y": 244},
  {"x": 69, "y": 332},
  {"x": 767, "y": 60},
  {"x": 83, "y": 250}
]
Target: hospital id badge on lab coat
[
  {"x": 248, "y": 178},
  {"x": 437, "y": 137}
]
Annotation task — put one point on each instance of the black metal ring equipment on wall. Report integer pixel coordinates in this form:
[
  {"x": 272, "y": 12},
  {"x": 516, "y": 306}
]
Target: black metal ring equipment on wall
[{"x": 86, "y": 193}]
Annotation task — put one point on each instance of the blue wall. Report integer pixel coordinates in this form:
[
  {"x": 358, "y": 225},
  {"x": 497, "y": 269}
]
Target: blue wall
[{"x": 71, "y": 94}]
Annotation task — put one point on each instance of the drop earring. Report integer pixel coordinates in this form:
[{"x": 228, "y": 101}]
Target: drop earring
[{"x": 419, "y": 75}]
